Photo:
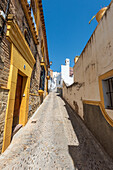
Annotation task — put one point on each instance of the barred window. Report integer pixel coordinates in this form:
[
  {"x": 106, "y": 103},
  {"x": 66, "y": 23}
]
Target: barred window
[{"x": 108, "y": 92}]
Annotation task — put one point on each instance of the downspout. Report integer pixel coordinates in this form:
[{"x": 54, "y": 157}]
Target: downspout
[{"x": 5, "y": 19}]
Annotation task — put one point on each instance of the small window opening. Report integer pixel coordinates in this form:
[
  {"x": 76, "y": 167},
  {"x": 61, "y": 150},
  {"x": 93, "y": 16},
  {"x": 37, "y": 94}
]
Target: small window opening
[{"x": 108, "y": 92}]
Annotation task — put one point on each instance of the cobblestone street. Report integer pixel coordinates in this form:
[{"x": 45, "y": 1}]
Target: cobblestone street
[{"x": 55, "y": 138}]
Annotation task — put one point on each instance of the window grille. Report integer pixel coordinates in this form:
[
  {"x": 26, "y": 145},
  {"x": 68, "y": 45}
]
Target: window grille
[
  {"x": 108, "y": 93},
  {"x": 42, "y": 78}
]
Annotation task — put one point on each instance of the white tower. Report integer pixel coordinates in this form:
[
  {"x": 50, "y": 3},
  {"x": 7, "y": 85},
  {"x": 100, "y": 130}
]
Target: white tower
[{"x": 67, "y": 62}]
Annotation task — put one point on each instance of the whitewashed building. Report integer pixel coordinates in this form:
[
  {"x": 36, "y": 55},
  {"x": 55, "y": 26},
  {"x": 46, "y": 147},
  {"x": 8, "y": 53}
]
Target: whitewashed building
[
  {"x": 66, "y": 75},
  {"x": 52, "y": 83}
]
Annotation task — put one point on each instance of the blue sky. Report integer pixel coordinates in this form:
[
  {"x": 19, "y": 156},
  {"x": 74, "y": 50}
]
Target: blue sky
[{"x": 67, "y": 27}]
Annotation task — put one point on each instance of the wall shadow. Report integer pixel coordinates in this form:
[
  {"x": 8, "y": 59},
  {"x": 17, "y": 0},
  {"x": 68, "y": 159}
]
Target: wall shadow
[
  {"x": 89, "y": 154},
  {"x": 99, "y": 127}
]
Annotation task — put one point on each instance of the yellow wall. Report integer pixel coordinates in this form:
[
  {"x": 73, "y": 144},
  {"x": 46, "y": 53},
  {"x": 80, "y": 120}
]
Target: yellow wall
[{"x": 20, "y": 56}]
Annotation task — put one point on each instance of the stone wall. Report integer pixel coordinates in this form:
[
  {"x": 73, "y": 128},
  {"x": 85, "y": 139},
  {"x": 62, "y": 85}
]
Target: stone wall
[
  {"x": 5, "y": 52},
  {"x": 4, "y": 62},
  {"x": 95, "y": 60},
  {"x": 3, "y": 106},
  {"x": 17, "y": 11},
  {"x": 5, "y": 55},
  {"x": 34, "y": 99},
  {"x": 34, "y": 103},
  {"x": 19, "y": 16}
]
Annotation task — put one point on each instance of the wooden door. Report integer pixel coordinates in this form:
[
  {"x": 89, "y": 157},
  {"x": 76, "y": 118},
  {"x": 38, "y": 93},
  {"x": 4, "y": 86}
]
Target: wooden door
[{"x": 18, "y": 98}]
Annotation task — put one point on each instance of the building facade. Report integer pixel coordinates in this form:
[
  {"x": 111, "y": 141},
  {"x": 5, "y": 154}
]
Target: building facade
[
  {"x": 66, "y": 75},
  {"x": 24, "y": 64},
  {"x": 52, "y": 83},
  {"x": 91, "y": 95}
]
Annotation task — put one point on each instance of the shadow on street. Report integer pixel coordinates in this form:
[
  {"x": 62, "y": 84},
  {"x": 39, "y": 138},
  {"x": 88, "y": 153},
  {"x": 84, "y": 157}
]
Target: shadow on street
[{"x": 89, "y": 154}]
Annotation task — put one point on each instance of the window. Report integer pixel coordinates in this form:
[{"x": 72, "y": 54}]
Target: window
[
  {"x": 108, "y": 92},
  {"x": 42, "y": 78}
]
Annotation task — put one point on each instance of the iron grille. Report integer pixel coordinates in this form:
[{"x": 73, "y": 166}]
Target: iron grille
[{"x": 109, "y": 93}]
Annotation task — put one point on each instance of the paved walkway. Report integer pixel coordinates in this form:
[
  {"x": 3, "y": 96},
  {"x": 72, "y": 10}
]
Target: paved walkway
[{"x": 55, "y": 138}]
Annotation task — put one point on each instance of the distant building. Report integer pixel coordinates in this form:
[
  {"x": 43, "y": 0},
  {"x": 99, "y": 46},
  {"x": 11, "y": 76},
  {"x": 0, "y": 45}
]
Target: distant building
[
  {"x": 71, "y": 71},
  {"x": 52, "y": 83},
  {"x": 66, "y": 75}
]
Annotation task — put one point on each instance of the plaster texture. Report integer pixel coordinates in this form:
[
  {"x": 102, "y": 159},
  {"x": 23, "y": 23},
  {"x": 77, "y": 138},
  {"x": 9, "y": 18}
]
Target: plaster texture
[
  {"x": 55, "y": 138},
  {"x": 95, "y": 61},
  {"x": 99, "y": 126},
  {"x": 65, "y": 73}
]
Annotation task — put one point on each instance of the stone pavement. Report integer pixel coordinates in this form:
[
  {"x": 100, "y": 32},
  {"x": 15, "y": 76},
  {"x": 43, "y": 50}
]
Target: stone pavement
[{"x": 55, "y": 138}]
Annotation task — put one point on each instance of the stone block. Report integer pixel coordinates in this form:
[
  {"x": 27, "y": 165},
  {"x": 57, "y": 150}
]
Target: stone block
[{"x": 3, "y": 106}]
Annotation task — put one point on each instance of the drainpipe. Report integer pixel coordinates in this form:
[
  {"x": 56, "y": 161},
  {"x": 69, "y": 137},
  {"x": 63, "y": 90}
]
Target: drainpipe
[{"x": 3, "y": 17}]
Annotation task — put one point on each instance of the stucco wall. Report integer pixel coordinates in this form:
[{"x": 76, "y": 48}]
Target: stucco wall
[
  {"x": 65, "y": 73},
  {"x": 95, "y": 60},
  {"x": 100, "y": 128}
]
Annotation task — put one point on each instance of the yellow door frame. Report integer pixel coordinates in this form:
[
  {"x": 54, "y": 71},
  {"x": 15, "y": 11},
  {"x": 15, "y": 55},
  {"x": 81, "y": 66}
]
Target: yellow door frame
[{"x": 22, "y": 62}]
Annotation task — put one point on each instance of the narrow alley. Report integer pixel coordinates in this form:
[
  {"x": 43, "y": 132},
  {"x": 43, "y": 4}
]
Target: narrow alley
[{"x": 55, "y": 138}]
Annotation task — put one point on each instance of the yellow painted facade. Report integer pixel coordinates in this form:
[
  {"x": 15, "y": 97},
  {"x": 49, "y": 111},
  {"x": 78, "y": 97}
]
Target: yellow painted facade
[
  {"x": 40, "y": 92},
  {"x": 22, "y": 62},
  {"x": 48, "y": 77}
]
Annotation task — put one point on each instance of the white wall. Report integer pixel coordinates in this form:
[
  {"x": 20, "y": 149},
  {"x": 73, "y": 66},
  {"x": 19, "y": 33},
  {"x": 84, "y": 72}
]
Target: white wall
[
  {"x": 59, "y": 81},
  {"x": 52, "y": 83},
  {"x": 65, "y": 73},
  {"x": 58, "y": 78},
  {"x": 95, "y": 60}
]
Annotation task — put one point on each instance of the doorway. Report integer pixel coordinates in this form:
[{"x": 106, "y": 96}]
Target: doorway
[{"x": 18, "y": 98}]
